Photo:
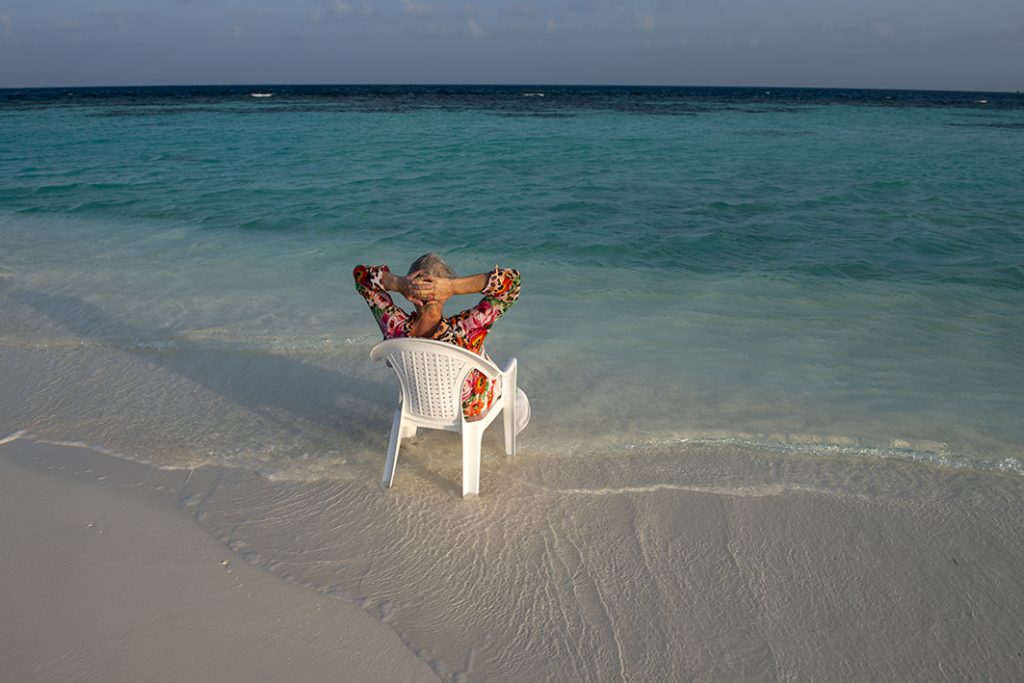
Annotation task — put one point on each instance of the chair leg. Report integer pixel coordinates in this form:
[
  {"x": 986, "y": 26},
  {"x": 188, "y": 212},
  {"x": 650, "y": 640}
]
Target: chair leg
[
  {"x": 408, "y": 431},
  {"x": 509, "y": 422},
  {"x": 394, "y": 442},
  {"x": 510, "y": 385},
  {"x": 471, "y": 460}
]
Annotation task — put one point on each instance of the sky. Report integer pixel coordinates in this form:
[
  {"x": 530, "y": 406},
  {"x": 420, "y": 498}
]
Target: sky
[{"x": 918, "y": 44}]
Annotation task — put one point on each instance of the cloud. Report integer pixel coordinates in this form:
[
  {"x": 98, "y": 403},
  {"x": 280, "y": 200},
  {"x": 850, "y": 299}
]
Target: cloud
[
  {"x": 341, "y": 9},
  {"x": 1005, "y": 33},
  {"x": 881, "y": 28},
  {"x": 645, "y": 22},
  {"x": 413, "y": 7},
  {"x": 5, "y": 24},
  {"x": 592, "y": 5},
  {"x": 473, "y": 27},
  {"x": 521, "y": 9},
  {"x": 345, "y": 8},
  {"x": 670, "y": 5}
]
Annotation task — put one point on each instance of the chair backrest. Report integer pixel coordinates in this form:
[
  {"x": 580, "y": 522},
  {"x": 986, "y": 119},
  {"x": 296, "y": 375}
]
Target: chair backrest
[{"x": 432, "y": 374}]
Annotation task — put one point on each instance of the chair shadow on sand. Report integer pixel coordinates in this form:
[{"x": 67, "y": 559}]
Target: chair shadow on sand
[{"x": 282, "y": 390}]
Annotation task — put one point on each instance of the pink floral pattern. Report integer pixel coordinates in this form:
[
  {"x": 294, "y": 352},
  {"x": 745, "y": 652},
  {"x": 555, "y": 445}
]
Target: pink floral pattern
[{"x": 467, "y": 329}]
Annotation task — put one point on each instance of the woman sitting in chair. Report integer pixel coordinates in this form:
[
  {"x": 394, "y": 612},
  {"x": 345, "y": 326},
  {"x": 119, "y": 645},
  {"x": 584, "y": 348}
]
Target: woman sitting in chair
[{"x": 429, "y": 283}]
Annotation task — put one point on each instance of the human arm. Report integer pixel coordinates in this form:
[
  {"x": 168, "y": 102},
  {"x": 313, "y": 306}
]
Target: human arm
[
  {"x": 373, "y": 283},
  {"x": 500, "y": 289},
  {"x": 432, "y": 292},
  {"x": 428, "y": 288}
]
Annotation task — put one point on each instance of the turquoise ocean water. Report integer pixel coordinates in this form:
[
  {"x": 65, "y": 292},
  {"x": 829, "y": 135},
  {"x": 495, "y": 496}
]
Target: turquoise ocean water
[{"x": 834, "y": 272}]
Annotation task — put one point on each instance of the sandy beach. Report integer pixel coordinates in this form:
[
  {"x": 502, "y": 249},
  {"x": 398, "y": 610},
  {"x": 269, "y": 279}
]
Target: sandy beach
[
  {"x": 104, "y": 583},
  {"x": 743, "y": 568}
]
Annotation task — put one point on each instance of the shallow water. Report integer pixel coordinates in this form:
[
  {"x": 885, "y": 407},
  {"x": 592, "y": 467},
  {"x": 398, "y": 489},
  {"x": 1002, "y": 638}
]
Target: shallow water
[
  {"x": 713, "y": 562},
  {"x": 796, "y": 270}
]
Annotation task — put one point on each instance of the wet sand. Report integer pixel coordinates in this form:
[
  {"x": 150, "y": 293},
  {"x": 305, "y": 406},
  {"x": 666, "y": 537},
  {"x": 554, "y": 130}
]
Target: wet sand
[{"x": 714, "y": 564}]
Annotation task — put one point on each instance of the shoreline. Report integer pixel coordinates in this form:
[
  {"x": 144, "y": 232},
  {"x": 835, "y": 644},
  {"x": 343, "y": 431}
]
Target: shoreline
[{"x": 807, "y": 569}]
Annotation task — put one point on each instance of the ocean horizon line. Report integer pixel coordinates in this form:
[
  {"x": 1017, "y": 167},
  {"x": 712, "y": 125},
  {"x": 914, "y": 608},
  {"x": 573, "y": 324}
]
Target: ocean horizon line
[{"x": 525, "y": 84}]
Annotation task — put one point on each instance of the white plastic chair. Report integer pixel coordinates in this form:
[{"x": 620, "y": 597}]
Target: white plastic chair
[{"x": 432, "y": 374}]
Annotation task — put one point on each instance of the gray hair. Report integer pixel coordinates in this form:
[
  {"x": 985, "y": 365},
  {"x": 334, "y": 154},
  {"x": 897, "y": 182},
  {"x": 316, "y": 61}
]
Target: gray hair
[{"x": 432, "y": 264}]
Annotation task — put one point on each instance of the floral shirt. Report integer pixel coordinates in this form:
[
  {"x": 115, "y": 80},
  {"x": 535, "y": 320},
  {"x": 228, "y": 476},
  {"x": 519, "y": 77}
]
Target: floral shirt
[{"x": 466, "y": 329}]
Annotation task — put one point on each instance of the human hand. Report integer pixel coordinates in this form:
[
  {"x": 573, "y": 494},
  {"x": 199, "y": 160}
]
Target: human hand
[
  {"x": 429, "y": 289},
  {"x": 403, "y": 285}
]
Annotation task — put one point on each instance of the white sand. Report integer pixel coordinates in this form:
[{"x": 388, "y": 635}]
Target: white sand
[
  {"x": 708, "y": 565},
  {"x": 102, "y": 584}
]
